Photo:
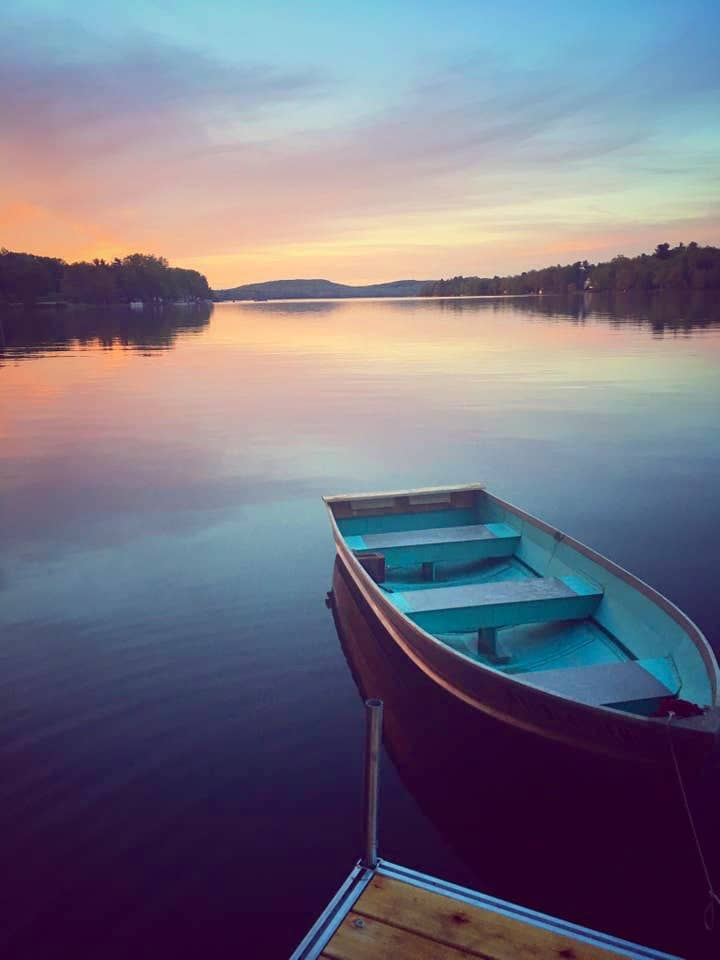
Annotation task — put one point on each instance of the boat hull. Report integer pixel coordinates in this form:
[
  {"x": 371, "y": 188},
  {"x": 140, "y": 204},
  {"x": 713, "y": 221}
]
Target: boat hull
[
  {"x": 498, "y": 797},
  {"x": 599, "y": 730}
]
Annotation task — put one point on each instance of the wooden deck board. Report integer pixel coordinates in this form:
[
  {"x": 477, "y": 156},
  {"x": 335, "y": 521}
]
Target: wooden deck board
[
  {"x": 401, "y": 920},
  {"x": 376, "y": 940}
]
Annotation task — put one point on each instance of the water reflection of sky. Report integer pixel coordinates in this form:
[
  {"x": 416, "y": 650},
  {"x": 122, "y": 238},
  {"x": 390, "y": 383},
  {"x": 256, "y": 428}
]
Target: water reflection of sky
[
  {"x": 270, "y": 401},
  {"x": 166, "y": 552}
]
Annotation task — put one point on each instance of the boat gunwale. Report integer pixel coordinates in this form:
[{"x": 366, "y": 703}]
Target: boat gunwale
[
  {"x": 374, "y": 592},
  {"x": 414, "y": 491}
]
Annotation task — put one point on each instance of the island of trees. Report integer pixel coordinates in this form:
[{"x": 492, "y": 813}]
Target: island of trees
[
  {"x": 28, "y": 279},
  {"x": 690, "y": 267}
]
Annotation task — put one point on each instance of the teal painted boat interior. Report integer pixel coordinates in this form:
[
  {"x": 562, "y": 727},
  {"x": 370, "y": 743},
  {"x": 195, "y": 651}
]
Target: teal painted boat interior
[{"x": 509, "y": 594}]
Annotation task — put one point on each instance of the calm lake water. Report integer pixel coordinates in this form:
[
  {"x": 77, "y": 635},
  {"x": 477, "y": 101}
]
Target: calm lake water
[{"x": 181, "y": 732}]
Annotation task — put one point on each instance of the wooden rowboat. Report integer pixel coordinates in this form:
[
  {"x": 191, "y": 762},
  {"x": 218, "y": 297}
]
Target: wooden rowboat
[{"x": 528, "y": 625}]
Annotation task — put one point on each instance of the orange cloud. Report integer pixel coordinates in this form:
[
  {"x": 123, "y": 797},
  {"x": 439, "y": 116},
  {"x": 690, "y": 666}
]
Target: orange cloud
[{"x": 472, "y": 169}]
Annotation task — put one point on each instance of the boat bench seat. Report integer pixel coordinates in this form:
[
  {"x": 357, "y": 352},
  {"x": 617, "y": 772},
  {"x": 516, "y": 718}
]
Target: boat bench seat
[
  {"x": 468, "y": 543},
  {"x": 611, "y": 684},
  {"x": 480, "y": 606}
]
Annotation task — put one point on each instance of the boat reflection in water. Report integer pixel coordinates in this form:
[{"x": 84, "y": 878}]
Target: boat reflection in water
[{"x": 597, "y": 841}]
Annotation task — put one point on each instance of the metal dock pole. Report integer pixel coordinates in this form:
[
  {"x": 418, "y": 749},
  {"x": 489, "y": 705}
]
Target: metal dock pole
[{"x": 373, "y": 741}]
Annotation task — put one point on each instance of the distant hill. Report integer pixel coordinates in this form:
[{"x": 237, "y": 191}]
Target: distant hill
[{"x": 318, "y": 289}]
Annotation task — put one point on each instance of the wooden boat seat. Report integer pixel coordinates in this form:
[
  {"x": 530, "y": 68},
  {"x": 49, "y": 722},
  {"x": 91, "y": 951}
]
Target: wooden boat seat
[
  {"x": 472, "y": 542},
  {"x": 611, "y": 684},
  {"x": 478, "y": 606}
]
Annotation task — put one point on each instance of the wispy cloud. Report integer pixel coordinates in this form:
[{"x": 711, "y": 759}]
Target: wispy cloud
[
  {"x": 139, "y": 142},
  {"x": 61, "y": 93}
]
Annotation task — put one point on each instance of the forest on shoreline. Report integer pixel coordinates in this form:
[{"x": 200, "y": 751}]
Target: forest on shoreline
[
  {"x": 690, "y": 267},
  {"x": 28, "y": 280}
]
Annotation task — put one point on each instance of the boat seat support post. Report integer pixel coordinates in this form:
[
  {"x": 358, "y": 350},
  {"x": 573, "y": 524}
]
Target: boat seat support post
[
  {"x": 489, "y": 644},
  {"x": 373, "y": 742},
  {"x": 428, "y": 570}
]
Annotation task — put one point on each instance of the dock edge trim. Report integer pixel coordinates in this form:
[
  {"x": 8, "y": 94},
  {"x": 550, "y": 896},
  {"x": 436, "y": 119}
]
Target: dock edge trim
[{"x": 334, "y": 913}]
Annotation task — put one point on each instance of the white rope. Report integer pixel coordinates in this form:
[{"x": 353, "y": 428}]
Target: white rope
[{"x": 709, "y": 912}]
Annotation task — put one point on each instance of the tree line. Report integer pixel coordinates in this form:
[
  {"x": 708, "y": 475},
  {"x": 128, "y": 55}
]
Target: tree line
[
  {"x": 28, "y": 279},
  {"x": 690, "y": 267}
]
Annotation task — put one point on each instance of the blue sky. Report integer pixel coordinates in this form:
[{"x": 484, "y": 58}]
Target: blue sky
[{"x": 360, "y": 142}]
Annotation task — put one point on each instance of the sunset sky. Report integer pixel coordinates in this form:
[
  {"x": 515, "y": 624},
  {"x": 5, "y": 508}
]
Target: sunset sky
[{"x": 360, "y": 142}]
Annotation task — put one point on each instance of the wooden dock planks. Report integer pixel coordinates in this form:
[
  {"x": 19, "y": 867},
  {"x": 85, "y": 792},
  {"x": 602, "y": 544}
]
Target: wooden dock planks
[
  {"x": 381, "y": 941},
  {"x": 394, "y": 920}
]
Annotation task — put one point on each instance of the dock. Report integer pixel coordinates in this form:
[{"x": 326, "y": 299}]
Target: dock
[{"x": 384, "y": 911}]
